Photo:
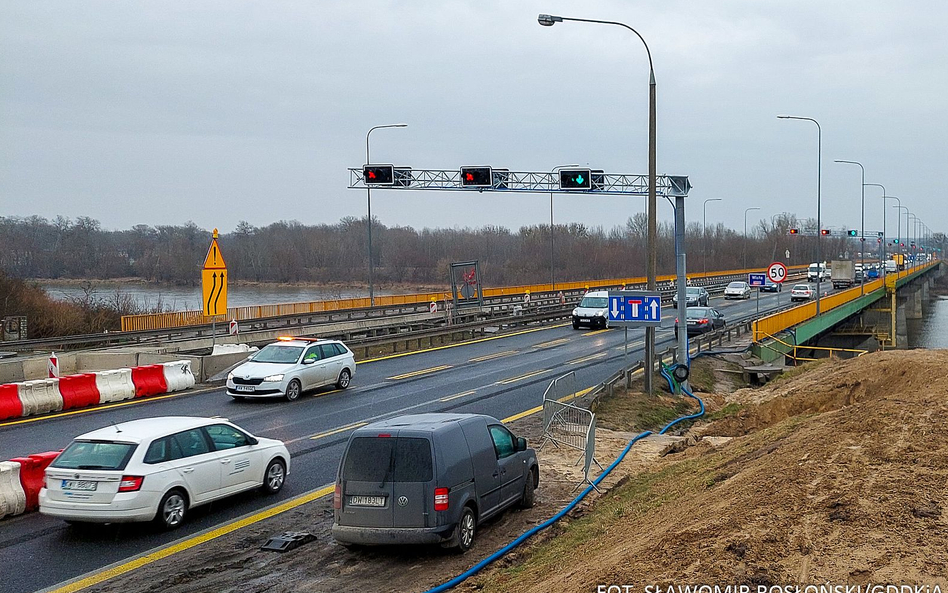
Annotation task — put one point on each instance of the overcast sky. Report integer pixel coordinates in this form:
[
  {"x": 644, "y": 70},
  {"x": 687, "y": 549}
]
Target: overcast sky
[{"x": 221, "y": 111}]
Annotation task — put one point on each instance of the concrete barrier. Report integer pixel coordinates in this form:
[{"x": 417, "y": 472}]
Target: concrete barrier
[
  {"x": 115, "y": 386},
  {"x": 12, "y": 496},
  {"x": 178, "y": 375},
  {"x": 40, "y": 397}
]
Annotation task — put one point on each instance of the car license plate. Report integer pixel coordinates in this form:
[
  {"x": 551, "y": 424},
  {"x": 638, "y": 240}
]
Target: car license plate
[
  {"x": 692, "y": 323},
  {"x": 79, "y": 485},
  {"x": 367, "y": 501},
  {"x": 584, "y": 319},
  {"x": 245, "y": 388}
]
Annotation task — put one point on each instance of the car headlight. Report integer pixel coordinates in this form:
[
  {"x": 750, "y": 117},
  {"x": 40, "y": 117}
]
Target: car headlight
[
  {"x": 600, "y": 313},
  {"x": 273, "y": 378},
  {"x": 230, "y": 376},
  {"x": 574, "y": 312}
]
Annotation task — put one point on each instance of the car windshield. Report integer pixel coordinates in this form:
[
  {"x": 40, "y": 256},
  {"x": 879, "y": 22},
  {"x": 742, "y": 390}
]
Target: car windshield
[
  {"x": 697, "y": 312},
  {"x": 278, "y": 353},
  {"x": 594, "y": 302},
  {"x": 95, "y": 455},
  {"x": 802, "y": 287},
  {"x": 736, "y": 285},
  {"x": 693, "y": 291}
]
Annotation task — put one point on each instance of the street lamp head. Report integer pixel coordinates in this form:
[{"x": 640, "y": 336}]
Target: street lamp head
[
  {"x": 784, "y": 117},
  {"x": 548, "y": 20}
]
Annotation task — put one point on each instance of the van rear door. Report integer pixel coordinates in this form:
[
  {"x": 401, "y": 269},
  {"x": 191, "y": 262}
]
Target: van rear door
[
  {"x": 412, "y": 494},
  {"x": 367, "y": 482}
]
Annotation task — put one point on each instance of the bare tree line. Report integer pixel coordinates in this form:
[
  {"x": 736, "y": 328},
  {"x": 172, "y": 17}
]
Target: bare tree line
[{"x": 35, "y": 247}]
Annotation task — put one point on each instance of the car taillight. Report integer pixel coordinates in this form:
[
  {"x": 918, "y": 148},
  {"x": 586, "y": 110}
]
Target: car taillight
[
  {"x": 704, "y": 321},
  {"x": 131, "y": 483},
  {"x": 441, "y": 499},
  {"x": 337, "y": 497}
]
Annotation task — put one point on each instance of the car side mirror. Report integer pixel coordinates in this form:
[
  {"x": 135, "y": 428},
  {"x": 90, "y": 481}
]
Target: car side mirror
[
  {"x": 309, "y": 360},
  {"x": 252, "y": 440},
  {"x": 521, "y": 444}
]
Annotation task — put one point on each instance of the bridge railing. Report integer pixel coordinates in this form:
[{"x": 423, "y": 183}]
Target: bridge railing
[{"x": 771, "y": 325}]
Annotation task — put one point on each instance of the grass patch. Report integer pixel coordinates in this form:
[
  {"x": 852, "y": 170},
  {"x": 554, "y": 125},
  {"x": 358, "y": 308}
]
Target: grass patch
[
  {"x": 701, "y": 377},
  {"x": 635, "y": 411},
  {"x": 729, "y": 410}
]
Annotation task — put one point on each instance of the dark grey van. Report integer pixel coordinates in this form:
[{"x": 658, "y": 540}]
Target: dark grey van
[{"x": 429, "y": 478}]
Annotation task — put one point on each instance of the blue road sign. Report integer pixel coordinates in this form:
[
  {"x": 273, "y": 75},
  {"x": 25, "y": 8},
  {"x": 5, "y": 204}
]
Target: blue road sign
[
  {"x": 635, "y": 308},
  {"x": 757, "y": 279}
]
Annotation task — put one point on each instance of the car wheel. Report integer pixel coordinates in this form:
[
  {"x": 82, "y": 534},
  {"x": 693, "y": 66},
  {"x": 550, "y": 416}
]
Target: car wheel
[
  {"x": 529, "y": 497},
  {"x": 464, "y": 531},
  {"x": 344, "y": 377},
  {"x": 172, "y": 509},
  {"x": 293, "y": 390},
  {"x": 575, "y": 325},
  {"x": 274, "y": 477}
]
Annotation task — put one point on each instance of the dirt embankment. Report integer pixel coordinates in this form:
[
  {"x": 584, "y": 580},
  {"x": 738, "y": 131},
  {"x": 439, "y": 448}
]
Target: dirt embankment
[{"x": 837, "y": 475}]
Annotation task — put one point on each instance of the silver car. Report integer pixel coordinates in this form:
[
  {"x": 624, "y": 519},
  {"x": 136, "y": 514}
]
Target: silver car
[
  {"x": 737, "y": 290},
  {"x": 290, "y": 366}
]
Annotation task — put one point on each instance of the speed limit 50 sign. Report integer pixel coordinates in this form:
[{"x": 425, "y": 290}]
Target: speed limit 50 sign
[{"x": 777, "y": 272}]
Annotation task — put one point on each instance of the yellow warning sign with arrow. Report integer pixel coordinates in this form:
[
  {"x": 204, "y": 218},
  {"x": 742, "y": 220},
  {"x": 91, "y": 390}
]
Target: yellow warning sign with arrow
[{"x": 214, "y": 281}]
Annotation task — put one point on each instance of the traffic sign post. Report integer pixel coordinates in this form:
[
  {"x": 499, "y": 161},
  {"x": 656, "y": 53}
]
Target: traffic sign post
[
  {"x": 758, "y": 280},
  {"x": 214, "y": 285}
]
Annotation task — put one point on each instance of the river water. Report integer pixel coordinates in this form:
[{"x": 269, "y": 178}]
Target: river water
[
  {"x": 932, "y": 330},
  {"x": 187, "y": 298}
]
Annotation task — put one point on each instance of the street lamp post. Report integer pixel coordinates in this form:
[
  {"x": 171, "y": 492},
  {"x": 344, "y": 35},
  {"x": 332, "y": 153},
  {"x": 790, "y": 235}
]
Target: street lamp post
[
  {"x": 368, "y": 196},
  {"x": 704, "y": 229},
  {"x": 746, "y": 210},
  {"x": 898, "y": 272},
  {"x": 862, "y": 232},
  {"x": 884, "y": 198},
  {"x": 548, "y": 20},
  {"x": 552, "y": 260},
  {"x": 819, "y": 183}
]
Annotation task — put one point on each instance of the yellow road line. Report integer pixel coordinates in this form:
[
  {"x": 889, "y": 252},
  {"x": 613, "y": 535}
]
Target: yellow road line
[
  {"x": 477, "y": 341},
  {"x": 588, "y": 358},
  {"x": 328, "y": 433},
  {"x": 197, "y": 540},
  {"x": 552, "y": 343},
  {"x": 141, "y": 400},
  {"x": 521, "y": 377},
  {"x": 447, "y": 399},
  {"x": 531, "y": 411},
  {"x": 422, "y": 372},
  {"x": 598, "y": 331},
  {"x": 493, "y": 356}
]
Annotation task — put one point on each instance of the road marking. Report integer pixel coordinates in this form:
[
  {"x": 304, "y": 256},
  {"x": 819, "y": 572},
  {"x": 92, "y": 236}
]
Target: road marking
[
  {"x": 632, "y": 345},
  {"x": 588, "y": 358},
  {"x": 143, "y": 400},
  {"x": 186, "y": 544},
  {"x": 552, "y": 343},
  {"x": 598, "y": 331},
  {"x": 328, "y": 433},
  {"x": 531, "y": 411},
  {"x": 422, "y": 372},
  {"x": 521, "y": 377},
  {"x": 477, "y": 341},
  {"x": 447, "y": 399},
  {"x": 493, "y": 356}
]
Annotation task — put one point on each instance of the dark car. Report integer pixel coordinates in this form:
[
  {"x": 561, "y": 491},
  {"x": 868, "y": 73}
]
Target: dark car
[
  {"x": 702, "y": 320},
  {"x": 770, "y": 286},
  {"x": 429, "y": 479},
  {"x": 695, "y": 296}
]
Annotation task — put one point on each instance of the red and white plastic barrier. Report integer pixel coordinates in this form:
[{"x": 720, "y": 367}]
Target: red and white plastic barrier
[
  {"x": 20, "y": 481},
  {"x": 30, "y": 398}
]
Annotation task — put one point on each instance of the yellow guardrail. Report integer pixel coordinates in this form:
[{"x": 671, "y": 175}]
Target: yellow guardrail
[
  {"x": 773, "y": 324},
  {"x": 795, "y": 358},
  {"x": 150, "y": 321}
]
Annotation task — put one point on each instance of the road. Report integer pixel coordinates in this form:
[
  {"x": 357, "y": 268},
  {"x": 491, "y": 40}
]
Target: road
[{"x": 501, "y": 376}]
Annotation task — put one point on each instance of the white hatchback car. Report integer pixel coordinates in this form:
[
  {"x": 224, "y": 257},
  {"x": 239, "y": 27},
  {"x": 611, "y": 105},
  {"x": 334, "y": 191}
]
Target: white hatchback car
[
  {"x": 737, "y": 290},
  {"x": 157, "y": 469},
  {"x": 291, "y": 365}
]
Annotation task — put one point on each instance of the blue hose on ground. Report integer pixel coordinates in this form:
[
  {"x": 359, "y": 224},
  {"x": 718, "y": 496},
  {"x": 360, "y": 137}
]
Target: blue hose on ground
[{"x": 525, "y": 536}]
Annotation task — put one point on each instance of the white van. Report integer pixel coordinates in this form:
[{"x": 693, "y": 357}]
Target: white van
[{"x": 593, "y": 310}]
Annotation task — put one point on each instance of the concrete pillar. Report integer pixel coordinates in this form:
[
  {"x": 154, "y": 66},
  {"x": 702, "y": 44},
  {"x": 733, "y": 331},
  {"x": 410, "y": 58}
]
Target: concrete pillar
[
  {"x": 924, "y": 295},
  {"x": 913, "y": 302},
  {"x": 901, "y": 328}
]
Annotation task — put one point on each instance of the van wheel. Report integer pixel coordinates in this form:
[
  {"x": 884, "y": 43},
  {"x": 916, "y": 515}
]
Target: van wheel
[
  {"x": 529, "y": 497},
  {"x": 274, "y": 477},
  {"x": 464, "y": 532},
  {"x": 293, "y": 390},
  {"x": 172, "y": 509},
  {"x": 575, "y": 325},
  {"x": 344, "y": 377}
]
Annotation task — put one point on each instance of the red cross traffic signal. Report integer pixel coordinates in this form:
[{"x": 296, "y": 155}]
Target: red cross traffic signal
[
  {"x": 476, "y": 177},
  {"x": 378, "y": 174}
]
